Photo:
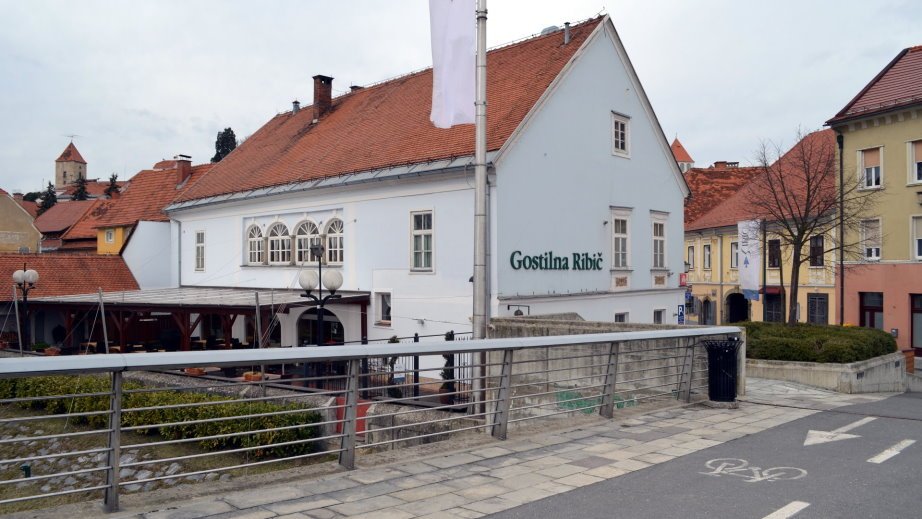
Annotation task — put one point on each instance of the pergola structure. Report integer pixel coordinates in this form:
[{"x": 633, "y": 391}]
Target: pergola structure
[{"x": 123, "y": 309}]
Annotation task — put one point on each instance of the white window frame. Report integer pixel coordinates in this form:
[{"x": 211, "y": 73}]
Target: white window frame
[
  {"x": 110, "y": 235},
  {"x": 335, "y": 247},
  {"x": 915, "y": 250},
  {"x": 706, "y": 256},
  {"x": 279, "y": 239},
  {"x": 307, "y": 233},
  {"x": 256, "y": 246},
  {"x": 626, "y": 316},
  {"x": 620, "y": 213},
  {"x": 382, "y": 319},
  {"x": 862, "y": 174},
  {"x": 620, "y": 144},
  {"x": 662, "y": 315},
  {"x": 659, "y": 218},
  {"x": 421, "y": 234},
  {"x": 690, "y": 257},
  {"x": 734, "y": 254},
  {"x": 199, "y": 251},
  {"x": 915, "y": 163},
  {"x": 868, "y": 252}
]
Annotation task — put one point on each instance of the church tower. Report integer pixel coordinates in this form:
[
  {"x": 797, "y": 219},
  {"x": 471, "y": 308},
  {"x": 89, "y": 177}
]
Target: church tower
[{"x": 68, "y": 167}]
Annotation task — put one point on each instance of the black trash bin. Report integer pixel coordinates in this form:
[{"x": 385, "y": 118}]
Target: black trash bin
[{"x": 722, "y": 372}]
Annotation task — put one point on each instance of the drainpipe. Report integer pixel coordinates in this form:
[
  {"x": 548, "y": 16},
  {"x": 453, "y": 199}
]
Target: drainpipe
[{"x": 840, "y": 139}]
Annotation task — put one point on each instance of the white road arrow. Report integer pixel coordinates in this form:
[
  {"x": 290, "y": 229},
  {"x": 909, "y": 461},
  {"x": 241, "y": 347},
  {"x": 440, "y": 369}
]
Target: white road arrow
[{"x": 818, "y": 437}]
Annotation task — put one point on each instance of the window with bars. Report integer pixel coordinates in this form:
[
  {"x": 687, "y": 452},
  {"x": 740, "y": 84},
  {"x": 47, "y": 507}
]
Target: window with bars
[
  {"x": 621, "y": 317},
  {"x": 620, "y": 237},
  {"x": 621, "y": 143},
  {"x": 199, "y": 251},
  {"x": 774, "y": 254},
  {"x": 256, "y": 252},
  {"x": 870, "y": 239},
  {"x": 817, "y": 251},
  {"x": 279, "y": 245},
  {"x": 422, "y": 240},
  {"x": 658, "y": 316},
  {"x": 659, "y": 245},
  {"x": 871, "y": 171},
  {"x": 307, "y": 234},
  {"x": 335, "y": 249}
]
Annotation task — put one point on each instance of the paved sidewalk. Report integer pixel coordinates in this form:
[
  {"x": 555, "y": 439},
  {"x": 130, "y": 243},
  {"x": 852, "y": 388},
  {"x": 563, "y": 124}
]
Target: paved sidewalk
[{"x": 501, "y": 475}]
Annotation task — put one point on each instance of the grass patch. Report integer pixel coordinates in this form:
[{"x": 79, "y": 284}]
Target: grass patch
[{"x": 815, "y": 343}]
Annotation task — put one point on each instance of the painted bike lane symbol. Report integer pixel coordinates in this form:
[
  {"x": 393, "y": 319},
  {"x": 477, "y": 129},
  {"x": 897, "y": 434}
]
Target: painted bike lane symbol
[{"x": 750, "y": 473}]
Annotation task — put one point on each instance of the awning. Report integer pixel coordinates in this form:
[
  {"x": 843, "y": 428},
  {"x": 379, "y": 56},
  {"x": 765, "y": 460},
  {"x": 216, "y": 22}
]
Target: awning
[{"x": 772, "y": 290}]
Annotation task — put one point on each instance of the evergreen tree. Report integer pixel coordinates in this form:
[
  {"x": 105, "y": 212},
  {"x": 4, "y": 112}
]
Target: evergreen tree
[
  {"x": 32, "y": 196},
  {"x": 225, "y": 143},
  {"x": 112, "y": 188},
  {"x": 49, "y": 198},
  {"x": 80, "y": 192}
]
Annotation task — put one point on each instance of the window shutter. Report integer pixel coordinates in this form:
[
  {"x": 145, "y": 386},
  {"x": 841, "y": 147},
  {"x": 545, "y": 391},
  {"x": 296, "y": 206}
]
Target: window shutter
[{"x": 871, "y": 158}]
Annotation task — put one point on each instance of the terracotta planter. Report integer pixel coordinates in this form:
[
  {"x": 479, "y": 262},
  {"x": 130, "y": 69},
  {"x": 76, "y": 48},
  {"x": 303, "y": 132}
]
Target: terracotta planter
[
  {"x": 253, "y": 376},
  {"x": 195, "y": 372},
  {"x": 52, "y": 351}
]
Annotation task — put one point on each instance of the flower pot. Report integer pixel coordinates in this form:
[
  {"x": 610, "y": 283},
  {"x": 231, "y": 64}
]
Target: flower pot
[
  {"x": 52, "y": 351},
  {"x": 253, "y": 376},
  {"x": 195, "y": 372}
]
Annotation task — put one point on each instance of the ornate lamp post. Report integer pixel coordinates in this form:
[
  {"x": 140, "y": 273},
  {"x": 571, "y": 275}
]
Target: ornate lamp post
[
  {"x": 25, "y": 280},
  {"x": 309, "y": 280}
]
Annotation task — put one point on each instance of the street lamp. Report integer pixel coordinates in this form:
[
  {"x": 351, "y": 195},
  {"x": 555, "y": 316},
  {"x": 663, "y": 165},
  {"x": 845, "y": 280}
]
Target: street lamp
[
  {"x": 25, "y": 280},
  {"x": 309, "y": 280}
]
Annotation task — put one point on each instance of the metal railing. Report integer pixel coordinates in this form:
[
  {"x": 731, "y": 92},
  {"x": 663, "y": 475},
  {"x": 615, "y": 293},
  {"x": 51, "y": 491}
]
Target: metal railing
[{"x": 112, "y": 424}]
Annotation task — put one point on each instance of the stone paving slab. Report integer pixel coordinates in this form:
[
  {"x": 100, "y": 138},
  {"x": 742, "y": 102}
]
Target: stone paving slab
[{"x": 497, "y": 476}]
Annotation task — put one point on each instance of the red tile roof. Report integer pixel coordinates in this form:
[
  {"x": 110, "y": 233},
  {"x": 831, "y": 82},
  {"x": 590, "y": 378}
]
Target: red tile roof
[
  {"x": 388, "y": 124},
  {"x": 711, "y": 186},
  {"x": 94, "y": 188},
  {"x": 85, "y": 227},
  {"x": 67, "y": 274},
  {"x": 70, "y": 154},
  {"x": 818, "y": 147},
  {"x": 62, "y": 215},
  {"x": 679, "y": 152},
  {"x": 30, "y": 207},
  {"x": 899, "y": 84},
  {"x": 144, "y": 198}
]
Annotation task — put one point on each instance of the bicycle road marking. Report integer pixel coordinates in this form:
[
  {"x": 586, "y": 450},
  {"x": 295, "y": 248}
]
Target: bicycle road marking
[
  {"x": 750, "y": 473},
  {"x": 789, "y": 510},
  {"x": 890, "y": 452}
]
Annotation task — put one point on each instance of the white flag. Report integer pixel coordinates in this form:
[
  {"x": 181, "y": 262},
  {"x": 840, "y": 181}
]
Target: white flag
[
  {"x": 453, "y": 26},
  {"x": 749, "y": 259}
]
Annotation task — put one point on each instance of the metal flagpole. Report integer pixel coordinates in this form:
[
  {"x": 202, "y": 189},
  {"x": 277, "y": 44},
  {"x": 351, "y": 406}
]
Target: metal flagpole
[
  {"x": 105, "y": 333},
  {"x": 480, "y": 178}
]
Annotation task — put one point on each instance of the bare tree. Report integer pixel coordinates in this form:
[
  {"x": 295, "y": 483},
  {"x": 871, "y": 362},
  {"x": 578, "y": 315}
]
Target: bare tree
[{"x": 796, "y": 193}]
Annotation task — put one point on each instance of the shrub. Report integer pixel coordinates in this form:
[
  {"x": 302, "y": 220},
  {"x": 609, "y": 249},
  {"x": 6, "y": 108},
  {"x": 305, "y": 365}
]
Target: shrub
[
  {"x": 156, "y": 411},
  {"x": 815, "y": 343}
]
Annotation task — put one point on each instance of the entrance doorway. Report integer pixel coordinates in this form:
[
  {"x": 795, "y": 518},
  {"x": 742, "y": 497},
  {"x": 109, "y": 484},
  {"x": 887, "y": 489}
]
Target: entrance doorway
[
  {"x": 333, "y": 332},
  {"x": 707, "y": 312},
  {"x": 737, "y": 308}
]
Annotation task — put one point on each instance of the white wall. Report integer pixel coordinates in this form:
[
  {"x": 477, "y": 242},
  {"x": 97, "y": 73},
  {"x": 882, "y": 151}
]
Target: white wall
[{"x": 149, "y": 255}]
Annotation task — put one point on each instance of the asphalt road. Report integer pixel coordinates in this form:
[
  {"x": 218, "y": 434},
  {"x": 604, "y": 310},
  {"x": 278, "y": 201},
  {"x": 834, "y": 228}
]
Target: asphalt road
[{"x": 773, "y": 472}]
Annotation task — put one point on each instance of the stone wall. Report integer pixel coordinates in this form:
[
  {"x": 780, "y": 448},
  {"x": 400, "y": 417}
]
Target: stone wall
[{"x": 880, "y": 374}]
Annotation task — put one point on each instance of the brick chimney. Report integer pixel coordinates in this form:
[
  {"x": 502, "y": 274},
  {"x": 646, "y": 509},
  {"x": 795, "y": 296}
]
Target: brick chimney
[
  {"x": 323, "y": 95},
  {"x": 17, "y": 197},
  {"x": 183, "y": 168}
]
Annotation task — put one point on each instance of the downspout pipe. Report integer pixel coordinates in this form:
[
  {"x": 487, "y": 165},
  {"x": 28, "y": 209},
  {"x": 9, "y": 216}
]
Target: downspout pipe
[{"x": 840, "y": 140}]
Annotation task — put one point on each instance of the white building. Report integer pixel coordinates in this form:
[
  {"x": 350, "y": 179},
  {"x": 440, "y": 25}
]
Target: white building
[{"x": 586, "y": 199}]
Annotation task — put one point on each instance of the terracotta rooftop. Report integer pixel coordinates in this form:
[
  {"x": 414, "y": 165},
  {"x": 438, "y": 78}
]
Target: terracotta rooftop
[
  {"x": 85, "y": 227},
  {"x": 713, "y": 185},
  {"x": 67, "y": 274},
  {"x": 62, "y": 215},
  {"x": 388, "y": 124},
  {"x": 70, "y": 154},
  {"x": 144, "y": 198},
  {"x": 899, "y": 84},
  {"x": 94, "y": 188},
  {"x": 679, "y": 152},
  {"x": 30, "y": 207},
  {"x": 738, "y": 206}
]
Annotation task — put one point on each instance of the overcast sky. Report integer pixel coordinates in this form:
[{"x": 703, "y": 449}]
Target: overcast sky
[{"x": 142, "y": 81}]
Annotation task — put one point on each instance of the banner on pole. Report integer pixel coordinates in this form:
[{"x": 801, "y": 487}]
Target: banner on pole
[
  {"x": 749, "y": 259},
  {"x": 453, "y": 31}
]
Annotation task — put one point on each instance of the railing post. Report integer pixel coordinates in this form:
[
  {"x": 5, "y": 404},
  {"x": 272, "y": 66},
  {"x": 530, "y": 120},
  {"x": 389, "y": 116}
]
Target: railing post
[
  {"x": 504, "y": 398},
  {"x": 364, "y": 380},
  {"x": 350, "y": 412},
  {"x": 415, "y": 371},
  {"x": 607, "y": 409},
  {"x": 110, "y": 500},
  {"x": 688, "y": 371}
]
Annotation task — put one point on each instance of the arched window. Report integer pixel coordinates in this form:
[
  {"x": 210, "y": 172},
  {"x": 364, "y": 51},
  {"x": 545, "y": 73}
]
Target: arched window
[
  {"x": 335, "y": 242},
  {"x": 256, "y": 252},
  {"x": 307, "y": 234},
  {"x": 279, "y": 245}
]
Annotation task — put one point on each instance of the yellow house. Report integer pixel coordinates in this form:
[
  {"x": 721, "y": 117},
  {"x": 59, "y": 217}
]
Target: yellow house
[
  {"x": 714, "y": 294},
  {"x": 880, "y": 133}
]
